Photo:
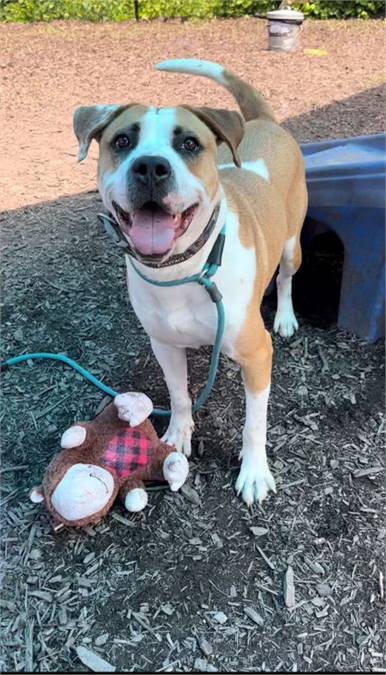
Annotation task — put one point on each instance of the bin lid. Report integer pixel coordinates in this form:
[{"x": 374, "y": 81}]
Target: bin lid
[{"x": 285, "y": 15}]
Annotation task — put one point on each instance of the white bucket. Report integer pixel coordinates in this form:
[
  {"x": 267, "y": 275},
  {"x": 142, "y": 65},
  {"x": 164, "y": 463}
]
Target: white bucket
[{"x": 284, "y": 26}]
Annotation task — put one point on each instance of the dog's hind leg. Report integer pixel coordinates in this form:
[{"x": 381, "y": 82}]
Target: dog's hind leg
[
  {"x": 173, "y": 363},
  {"x": 285, "y": 321}
]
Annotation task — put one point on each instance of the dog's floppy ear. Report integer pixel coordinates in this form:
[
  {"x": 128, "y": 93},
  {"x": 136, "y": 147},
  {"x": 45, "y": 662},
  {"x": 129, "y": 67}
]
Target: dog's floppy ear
[
  {"x": 90, "y": 121},
  {"x": 227, "y": 126}
]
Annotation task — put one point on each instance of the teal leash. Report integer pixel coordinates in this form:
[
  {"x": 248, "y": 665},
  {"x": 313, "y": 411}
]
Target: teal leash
[
  {"x": 64, "y": 359},
  {"x": 204, "y": 278}
]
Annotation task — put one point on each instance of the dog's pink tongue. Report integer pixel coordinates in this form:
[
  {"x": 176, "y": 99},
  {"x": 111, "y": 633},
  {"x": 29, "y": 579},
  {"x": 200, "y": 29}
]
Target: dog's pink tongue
[{"x": 153, "y": 232}]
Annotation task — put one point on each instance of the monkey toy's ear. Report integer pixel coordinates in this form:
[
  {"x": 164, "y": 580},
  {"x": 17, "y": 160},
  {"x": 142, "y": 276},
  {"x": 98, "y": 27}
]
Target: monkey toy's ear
[{"x": 73, "y": 437}]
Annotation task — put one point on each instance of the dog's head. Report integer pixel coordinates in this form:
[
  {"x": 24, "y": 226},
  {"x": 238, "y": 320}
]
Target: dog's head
[{"x": 157, "y": 169}]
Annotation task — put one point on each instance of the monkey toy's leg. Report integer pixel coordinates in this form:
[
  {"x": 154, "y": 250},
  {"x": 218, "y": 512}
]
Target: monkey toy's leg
[{"x": 133, "y": 495}]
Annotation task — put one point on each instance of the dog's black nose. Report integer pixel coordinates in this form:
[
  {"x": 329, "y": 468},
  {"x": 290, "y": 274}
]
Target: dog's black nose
[{"x": 151, "y": 169}]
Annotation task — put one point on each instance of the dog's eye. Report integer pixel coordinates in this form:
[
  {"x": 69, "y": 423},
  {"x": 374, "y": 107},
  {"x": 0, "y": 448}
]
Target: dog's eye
[
  {"x": 122, "y": 142},
  {"x": 190, "y": 144}
]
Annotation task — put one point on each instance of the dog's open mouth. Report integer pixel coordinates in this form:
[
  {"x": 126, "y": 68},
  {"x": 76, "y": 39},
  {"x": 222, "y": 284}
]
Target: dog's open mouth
[{"x": 152, "y": 229}]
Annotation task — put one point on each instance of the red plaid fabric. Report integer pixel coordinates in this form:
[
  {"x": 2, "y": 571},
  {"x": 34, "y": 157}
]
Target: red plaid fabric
[{"x": 127, "y": 451}]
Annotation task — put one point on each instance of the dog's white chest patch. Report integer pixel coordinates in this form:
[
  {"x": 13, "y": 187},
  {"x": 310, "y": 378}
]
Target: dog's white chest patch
[
  {"x": 184, "y": 315},
  {"x": 180, "y": 315}
]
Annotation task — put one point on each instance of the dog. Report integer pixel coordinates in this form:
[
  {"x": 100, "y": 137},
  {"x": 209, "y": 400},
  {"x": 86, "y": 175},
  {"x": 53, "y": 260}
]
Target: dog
[{"x": 172, "y": 178}]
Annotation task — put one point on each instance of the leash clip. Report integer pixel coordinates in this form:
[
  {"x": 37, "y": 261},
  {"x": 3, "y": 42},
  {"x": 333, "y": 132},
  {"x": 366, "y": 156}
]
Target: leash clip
[
  {"x": 214, "y": 293},
  {"x": 210, "y": 287}
]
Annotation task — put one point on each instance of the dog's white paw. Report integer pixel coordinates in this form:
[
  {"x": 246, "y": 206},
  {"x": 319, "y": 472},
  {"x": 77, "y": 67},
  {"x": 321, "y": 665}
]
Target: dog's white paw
[
  {"x": 285, "y": 323},
  {"x": 254, "y": 480},
  {"x": 179, "y": 434},
  {"x": 175, "y": 470}
]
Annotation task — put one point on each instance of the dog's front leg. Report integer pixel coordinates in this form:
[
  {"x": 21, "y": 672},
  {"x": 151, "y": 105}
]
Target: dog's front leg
[
  {"x": 173, "y": 363},
  {"x": 255, "y": 479}
]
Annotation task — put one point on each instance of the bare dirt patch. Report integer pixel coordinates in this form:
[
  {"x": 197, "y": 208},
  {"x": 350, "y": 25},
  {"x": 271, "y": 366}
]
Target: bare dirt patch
[
  {"x": 198, "y": 581},
  {"x": 48, "y": 70}
]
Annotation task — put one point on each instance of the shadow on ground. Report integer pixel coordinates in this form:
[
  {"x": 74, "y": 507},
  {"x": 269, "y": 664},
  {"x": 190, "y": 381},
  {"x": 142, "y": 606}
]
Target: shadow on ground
[
  {"x": 173, "y": 589},
  {"x": 357, "y": 115}
]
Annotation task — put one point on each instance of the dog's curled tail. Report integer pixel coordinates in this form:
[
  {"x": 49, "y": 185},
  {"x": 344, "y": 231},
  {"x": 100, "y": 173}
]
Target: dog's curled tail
[{"x": 252, "y": 104}]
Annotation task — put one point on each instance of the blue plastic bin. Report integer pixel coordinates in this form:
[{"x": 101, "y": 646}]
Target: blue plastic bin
[{"x": 346, "y": 188}]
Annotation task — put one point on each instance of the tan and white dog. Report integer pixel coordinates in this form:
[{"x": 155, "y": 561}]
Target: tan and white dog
[{"x": 163, "y": 176}]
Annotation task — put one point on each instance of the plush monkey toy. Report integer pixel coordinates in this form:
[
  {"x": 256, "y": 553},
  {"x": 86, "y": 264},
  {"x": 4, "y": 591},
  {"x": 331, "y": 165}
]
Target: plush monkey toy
[{"x": 111, "y": 455}]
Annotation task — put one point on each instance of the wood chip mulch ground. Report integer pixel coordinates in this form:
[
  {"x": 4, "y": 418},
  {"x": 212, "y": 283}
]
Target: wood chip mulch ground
[{"x": 197, "y": 582}]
